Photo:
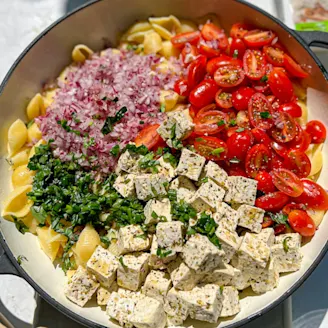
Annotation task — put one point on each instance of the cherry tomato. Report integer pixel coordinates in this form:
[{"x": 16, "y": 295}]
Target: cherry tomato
[
  {"x": 287, "y": 182},
  {"x": 302, "y": 223},
  {"x": 237, "y": 48},
  {"x": 239, "y": 143},
  {"x": 215, "y": 63},
  {"x": 313, "y": 196},
  {"x": 284, "y": 129},
  {"x": 242, "y": 119},
  {"x": 149, "y": 137},
  {"x": 189, "y": 54},
  {"x": 208, "y": 48},
  {"x": 272, "y": 202},
  {"x": 292, "y": 108},
  {"x": 203, "y": 94},
  {"x": 229, "y": 76},
  {"x": 258, "y": 38},
  {"x": 293, "y": 68},
  {"x": 210, "y": 122},
  {"x": 280, "y": 149},
  {"x": 261, "y": 137},
  {"x": 223, "y": 99},
  {"x": 211, "y": 148},
  {"x": 267, "y": 222},
  {"x": 280, "y": 85},
  {"x": 277, "y": 162},
  {"x": 274, "y": 55},
  {"x": 211, "y": 32},
  {"x": 260, "y": 112},
  {"x": 196, "y": 71},
  {"x": 236, "y": 170},
  {"x": 301, "y": 141},
  {"x": 279, "y": 229},
  {"x": 254, "y": 64},
  {"x": 181, "y": 39},
  {"x": 207, "y": 108},
  {"x": 317, "y": 131},
  {"x": 181, "y": 87},
  {"x": 258, "y": 159},
  {"x": 192, "y": 111},
  {"x": 264, "y": 182},
  {"x": 241, "y": 97},
  {"x": 299, "y": 163},
  {"x": 238, "y": 30},
  {"x": 292, "y": 206}
]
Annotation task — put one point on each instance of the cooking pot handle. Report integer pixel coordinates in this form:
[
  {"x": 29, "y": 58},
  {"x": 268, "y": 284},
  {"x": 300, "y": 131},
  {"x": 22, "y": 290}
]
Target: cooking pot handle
[
  {"x": 314, "y": 38},
  {"x": 6, "y": 266}
]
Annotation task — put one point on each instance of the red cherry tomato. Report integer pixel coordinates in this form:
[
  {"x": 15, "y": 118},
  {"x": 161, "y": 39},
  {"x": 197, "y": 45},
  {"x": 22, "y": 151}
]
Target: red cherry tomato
[
  {"x": 211, "y": 32},
  {"x": 203, "y": 94},
  {"x": 280, "y": 85},
  {"x": 254, "y": 64},
  {"x": 181, "y": 87},
  {"x": 302, "y": 223},
  {"x": 284, "y": 129},
  {"x": 215, "y": 63},
  {"x": 277, "y": 162},
  {"x": 264, "y": 182},
  {"x": 241, "y": 97},
  {"x": 267, "y": 222},
  {"x": 272, "y": 202},
  {"x": 223, "y": 99},
  {"x": 258, "y": 38},
  {"x": 229, "y": 76},
  {"x": 236, "y": 170},
  {"x": 301, "y": 141},
  {"x": 313, "y": 196},
  {"x": 207, "y": 108},
  {"x": 260, "y": 112},
  {"x": 192, "y": 111},
  {"x": 149, "y": 137},
  {"x": 208, "y": 48},
  {"x": 181, "y": 39},
  {"x": 279, "y": 148},
  {"x": 238, "y": 30},
  {"x": 211, "y": 148},
  {"x": 299, "y": 163},
  {"x": 287, "y": 182},
  {"x": 189, "y": 54},
  {"x": 292, "y": 108},
  {"x": 317, "y": 131},
  {"x": 274, "y": 55},
  {"x": 261, "y": 137},
  {"x": 293, "y": 68},
  {"x": 196, "y": 71},
  {"x": 237, "y": 48},
  {"x": 239, "y": 143},
  {"x": 279, "y": 229},
  {"x": 210, "y": 122},
  {"x": 292, "y": 206},
  {"x": 258, "y": 159}
]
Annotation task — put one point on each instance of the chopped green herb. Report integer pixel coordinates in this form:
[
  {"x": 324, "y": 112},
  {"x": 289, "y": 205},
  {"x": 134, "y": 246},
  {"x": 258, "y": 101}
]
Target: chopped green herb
[
  {"x": 265, "y": 115},
  {"x": 30, "y": 123},
  {"x": 39, "y": 213},
  {"x": 169, "y": 158},
  {"x": 120, "y": 259},
  {"x": 285, "y": 245},
  {"x": 159, "y": 151},
  {"x": 279, "y": 218},
  {"x": 191, "y": 231},
  {"x": 182, "y": 211},
  {"x": 115, "y": 100},
  {"x": 218, "y": 151},
  {"x": 68, "y": 263},
  {"x": 232, "y": 122},
  {"x": 172, "y": 195},
  {"x": 142, "y": 236},
  {"x": 177, "y": 144},
  {"x": 141, "y": 122},
  {"x": 148, "y": 161},
  {"x": 104, "y": 98},
  {"x": 204, "y": 179},
  {"x": 115, "y": 150},
  {"x": 21, "y": 258},
  {"x": 105, "y": 240},
  {"x": 220, "y": 123},
  {"x": 110, "y": 121},
  {"x": 154, "y": 215},
  {"x": 199, "y": 139},
  {"x": 234, "y": 160},
  {"x": 67, "y": 128},
  {"x": 240, "y": 130},
  {"x": 89, "y": 143},
  {"x": 264, "y": 78},
  {"x": 96, "y": 116},
  {"x": 221, "y": 289},
  {"x": 131, "y": 47},
  {"x": 165, "y": 184},
  {"x": 141, "y": 150},
  {"x": 162, "y": 109},
  {"x": 161, "y": 252},
  {"x": 20, "y": 225},
  {"x": 235, "y": 53}
]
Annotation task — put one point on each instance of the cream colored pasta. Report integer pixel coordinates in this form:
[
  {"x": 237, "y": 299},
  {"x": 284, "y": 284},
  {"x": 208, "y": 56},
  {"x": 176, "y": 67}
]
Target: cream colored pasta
[
  {"x": 80, "y": 53},
  {"x": 138, "y": 37},
  {"x": 316, "y": 216},
  {"x": 17, "y": 136},
  {"x": 35, "y": 107},
  {"x": 113, "y": 248},
  {"x": 152, "y": 43},
  {"x": 30, "y": 221},
  {"x": 20, "y": 158},
  {"x": 137, "y": 27},
  {"x": 168, "y": 99},
  {"x": 187, "y": 26},
  {"x": 304, "y": 118},
  {"x": 316, "y": 159},
  {"x": 33, "y": 134},
  {"x": 168, "y": 50},
  {"x": 22, "y": 176},
  {"x": 166, "y": 27},
  {"x": 48, "y": 98}
]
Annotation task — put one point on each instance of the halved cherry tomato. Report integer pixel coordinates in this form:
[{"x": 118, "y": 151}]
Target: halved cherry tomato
[
  {"x": 196, "y": 71},
  {"x": 210, "y": 122},
  {"x": 254, "y": 64},
  {"x": 280, "y": 85},
  {"x": 262, "y": 85},
  {"x": 287, "y": 182},
  {"x": 260, "y": 112},
  {"x": 181, "y": 87},
  {"x": 242, "y": 119},
  {"x": 258, "y": 159},
  {"x": 258, "y": 38},
  {"x": 236, "y": 170},
  {"x": 302, "y": 223},
  {"x": 237, "y": 48},
  {"x": 299, "y": 163},
  {"x": 317, "y": 131},
  {"x": 189, "y": 54},
  {"x": 223, "y": 99},
  {"x": 277, "y": 162},
  {"x": 292, "y": 108},
  {"x": 181, "y": 39},
  {"x": 279, "y": 148},
  {"x": 284, "y": 129},
  {"x": 192, "y": 111},
  {"x": 239, "y": 143},
  {"x": 203, "y": 94},
  {"x": 214, "y": 63},
  {"x": 229, "y": 76},
  {"x": 211, "y": 148},
  {"x": 264, "y": 182},
  {"x": 275, "y": 103},
  {"x": 279, "y": 229},
  {"x": 293, "y": 68},
  {"x": 238, "y": 30},
  {"x": 241, "y": 97},
  {"x": 272, "y": 202},
  {"x": 149, "y": 137},
  {"x": 274, "y": 55},
  {"x": 267, "y": 222},
  {"x": 261, "y": 137},
  {"x": 301, "y": 141},
  {"x": 208, "y": 48},
  {"x": 207, "y": 108},
  {"x": 211, "y": 32},
  {"x": 291, "y": 207},
  {"x": 313, "y": 196}
]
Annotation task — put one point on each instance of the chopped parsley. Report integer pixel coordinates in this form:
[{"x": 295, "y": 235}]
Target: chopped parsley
[
  {"x": 141, "y": 150},
  {"x": 220, "y": 123},
  {"x": 279, "y": 218},
  {"x": 142, "y": 236},
  {"x": 264, "y": 78},
  {"x": 67, "y": 128},
  {"x": 110, "y": 121},
  {"x": 120, "y": 259},
  {"x": 265, "y": 115},
  {"x": 204, "y": 179},
  {"x": 30, "y": 123},
  {"x": 235, "y": 53},
  {"x": 191, "y": 231},
  {"x": 182, "y": 211},
  {"x": 285, "y": 245},
  {"x": 115, "y": 150},
  {"x": 169, "y": 158},
  {"x": 148, "y": 161},
  {"x": 21, "y": 258},
  {"x": 161, "y": 252},
  {"x": 172, "y": 195},
  {"x": 232, "y": 122},
  {"x": 162, "y": 108},
  {"x": 240, "y": 130},
  {"x": 141, "y": 122},
  {"x": 218, "y": 151},
  {"x": 177, "y": 144},
  {"x": 131, "y": 47},
  {"x": 39, "y": 213},
  {"x": 105, "y": 240}
]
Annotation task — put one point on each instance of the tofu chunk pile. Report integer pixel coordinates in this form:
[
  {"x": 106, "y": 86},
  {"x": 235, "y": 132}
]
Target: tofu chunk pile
[{"x": 179, "y": 268}]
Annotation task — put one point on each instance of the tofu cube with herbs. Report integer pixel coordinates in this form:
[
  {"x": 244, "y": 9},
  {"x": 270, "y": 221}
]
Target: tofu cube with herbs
[
  {"x": 103, "y": 294},
  {"x": 157, "y": 285},
  {"x": 207, "y": 197},
  {"x": 241, "y": 279},
  {"x": 157, "y": 210},
  {"x": 241, "y": 190},
  {"x": 168, "y": 164},
  {"x": 214, "y": 172},
  {"x": 103, "y": 264},
  {"x": 221, "y": 276},
  {"x": 170, "y": 235},
  {"x": 184, "y": 187},
  {"x": 267, "y": 235},
  {"x": 124, "y": 184},
  {"x": 229, "y": 241},
  {"x": 132, "y": 270},
  {"x": 150, "y": 186},
  {"x": 175, "y": 128},
  {"x": 81, "y": 287},
  {"x": 226, "y": 217},
  {"x": 132, "y": 238},
  {"x": 291, "y": 240},
  {"x": 201, "y": 255},
  {"x": 157, "y": 260},
  {"x": 251, "y": 217},
  {"x": 230, "y": 302},
  {"x": 190, "y": 164},
  {"x": 128, "y": 162}
]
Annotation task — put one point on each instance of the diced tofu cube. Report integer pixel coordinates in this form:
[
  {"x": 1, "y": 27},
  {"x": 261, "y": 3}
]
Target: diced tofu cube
[
  {"x": 253, "y": 254},
  {"x": 251, "y": 217},
  {"x": 166, "y": 168},
  {"x": 157, "y": 285},
  {"x": 216, "y": 173},
  {"x": 241, "y": 190},
  {"x": 103, "y": 264},
  {"x": 103, "y": 294},
  {"x": 176, "y": 127},
  {"x": 183, "y": 278},
  {"x": 230, "y": 242},
  {"x": 128, "y": 162},
  {"x": 156, "y": 261},
  {"x": 124, "y": 184},
  {"x": 170, "y": 235},
  {"x": 190, "y": 164},
  {"x": 267, "y": 235},
  {"x": 207, "y": 197},
  {"x": 175, "y": 307},
  {"x": 241, "y": 279},
  {"x": 150, "y": 186},
  {"x": 132, "y": 238},
  {"x": 201, "y": 255},
  {"x": 226, "y": 217},
  {"x": 221, "y": 276},
  {"x": 230, "y": 301},
  {"x": 132, "y": 270},
  {"x": 292, "y": 240},
  {"x": 268, "y": 280},
  {"x": 184, "y": 187},
  {"x": 157, "y": 210},
  {"x": 81, "y": 287}
]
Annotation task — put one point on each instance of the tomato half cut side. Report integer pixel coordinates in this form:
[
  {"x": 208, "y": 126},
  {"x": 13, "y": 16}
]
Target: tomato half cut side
[
  {"x": 238, "y": 30},
  {"x": 272, "y": 202},
  {"x": 258, "y": 38},
  {"x": 149, "y": 137},
  {"x": 205, "y": 109},
  {"x": 258, "y": 159},
  {"x": 267, "y": 222},
  {"x": 210, "y": 122},
  {"x": 317, "y": 131},
  {"x": 302, "y": 223},
  {"x": 299, "y": 163},
  {"x": 287, "y": 182},
  {"x": 229, "y": 76},
  {"x": 223, "y": 99},
  {"x": 208, "y": 48},
  {"x": 284, "y": 129},
  {"x": 291, "y": 207},
  {"x": 293, "y": 68},
  {"x": 260, "y": 112},
  {"x": 211, "y": 32},
  {"x": 189, "y": 54},
  {"x": 212, "y": 148},
  {"x": 203, "y": 94},
  {"x": 196, "y": 71},
  {"x": 181, "y": 39},
  {"x": 254, "y": 64},
  {"x": 223, "y": 60},
  {"x": 279, "y": 148},
  {"x": 264, "y": 182},
  {"x": 302, "y": 140},
  {"x": 181, "y": 87},
  {"x": 274, "y": 55},
  {"x": 280, "y": 85}
]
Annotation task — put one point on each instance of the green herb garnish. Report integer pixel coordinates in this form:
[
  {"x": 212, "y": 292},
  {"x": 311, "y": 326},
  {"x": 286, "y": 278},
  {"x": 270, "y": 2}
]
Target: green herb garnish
[
  {"x": 161, "y": 252},
  {"x": 115, "y": 150},
  {"x": 162, "y": 108},
  {"x": 20, "y": 225},
  {"x": 220, "y": 123},
  {"x": 218, "y": 151},
  {"x": 285, "y": 245},
  {"x": 21, "y": 258},
  {"x": 148, "y": 161},
  {"x": 265, "y": 115},
  {"x": 105, "y": 240},
  {"x": 110, "y": 121},
  {"x": 169, "y": 158},
  {"x": 30, "y": 123},
  {"x": 204, "y": 179},
  {"x": 141, "y": 150},
  {"x": 67, "y": 128},
  {"x": 120, "y": 259},
  {"x": 232, "y": 122},
  {"x": 240, "y": 130},
  {"x": 264, "y": 78},
  {"x": 235, "y": 53}
]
